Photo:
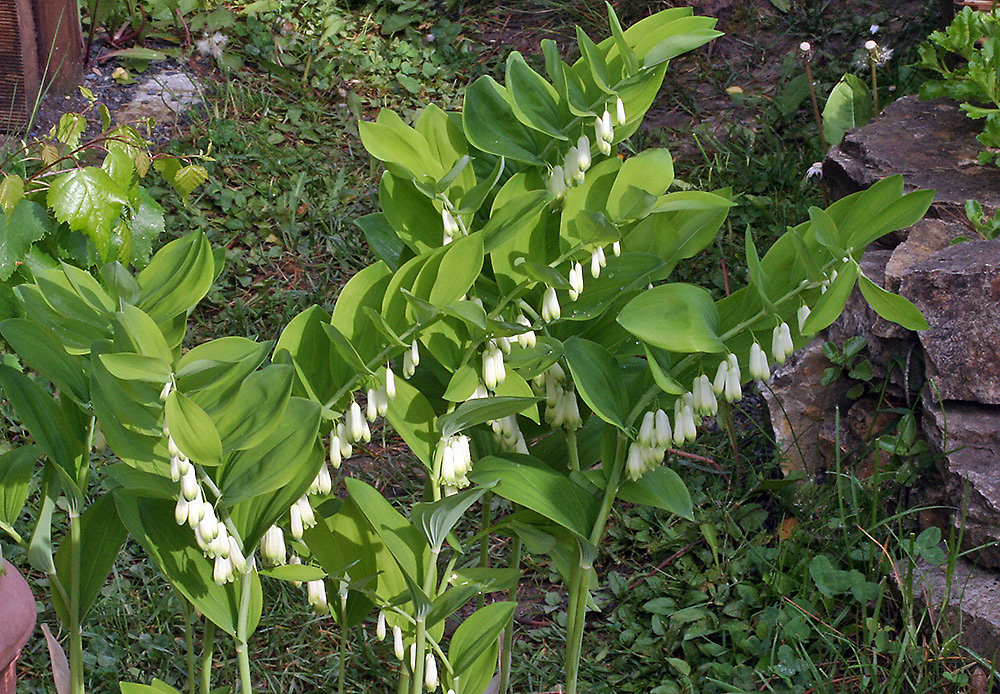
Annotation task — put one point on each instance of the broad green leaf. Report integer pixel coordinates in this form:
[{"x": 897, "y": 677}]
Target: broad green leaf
[
  {"x": 532, "y": 361},
  {"x": 677, "y": 44},
  {"x": 676, "y": 317},
  {"x": 410, "y": 213},
  {"x": 257, "y": 409},
  {"x": 661, "y": 488},
  {"x": 88, "y": 200},
  {"x": 757, "y": 276},
  {"x": 621, "y": 43},
  {"x": 382, "y": 239},
  {"x": 26, "y": 223},
  {"x": 599, "y": 380},
  {"x": 343, "y": 348},
  {"x": 129, "y": 366},
  {"x": 177, "y": 277},
  {"x": 460, "y": 267},
  {"x": 593, "y": 58},
  {"x": 892, "y": 307},
  {"x": 825, "y": 230},
  {"x": 848, "y": 106},
  {"x": 101, "y": 537},
  {"x": 480, "y": 410},
  {"x": 831, "y": 304},
  {"x": 394, "y": 142},
  {"x": 40, "y": 548},
  {"x": 623, "y": 275},
  {"x": 209, "y": 372},
  {"x": 413, "y": 418},
  {"x": 659, "y": 366},
  {"x": 473, "y": 647},
  {"x": 135, "y": 331},
  {"x": 192, "y": 430},
  {"x": 16, "y": 467},
  {"x": 187, "y": 178},
  {"x": 903, "y": 212},
  {"x": 39, "y": 348},
  {"x": 403, "y": 540},
  {"x": 11, "y": 192},
  {"x": 435, "y": 519},
  {"x": 60, "y": 437},
  {"x": 277, "y": 459},
  {"x": 490, "y": 123},
  {"x": 651, "y": 171},
  {"x": 535, "y": 102},
  {"x": 530, "y": 483},
  {"x": 304, "y": 339}
]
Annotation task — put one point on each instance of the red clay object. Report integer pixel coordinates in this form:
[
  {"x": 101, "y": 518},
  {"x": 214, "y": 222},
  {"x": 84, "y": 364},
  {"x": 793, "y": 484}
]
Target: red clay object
[{"x": 17, "y": 621}]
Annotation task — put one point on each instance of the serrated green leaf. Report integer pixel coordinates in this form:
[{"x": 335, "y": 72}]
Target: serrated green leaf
[
  {"x": 18, "y": 230},
  {"x": 88, "y": 200}
]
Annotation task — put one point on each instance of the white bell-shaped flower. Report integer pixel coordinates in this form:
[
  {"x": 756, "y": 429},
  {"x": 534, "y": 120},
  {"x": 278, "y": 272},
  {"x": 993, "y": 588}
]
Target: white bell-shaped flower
[
  {"x": 556, "y": 183},
  {"x": 550, "y": 306},
  {"x": 759, "y": 368},
  {"x": 316, "y": 591},
  {"x": 380, "y": 626},
  {"x": 272, "y": 546},
  {"x": 397, "y": 643},
  {"x": 620, "y": 112}
]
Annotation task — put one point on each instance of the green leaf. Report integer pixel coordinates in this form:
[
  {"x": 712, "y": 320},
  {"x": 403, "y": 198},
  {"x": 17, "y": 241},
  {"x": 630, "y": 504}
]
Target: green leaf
[
  {"x": 16, "y": 467},
  {"x": 135, "y": 331},
  {"x": 40, "y": 349},
  {"x": 136, "y": 367},
  {"x": 831, "y": 304},
  {"x": 60, "y": 438},
  {"x": 88, "y": 200},
  {"x": 533, "y": 484},
  {"x": 391, "y": 140},
  {"x": 599, "y": 380},
  {"x": 490, "y": 123},
  {"x": 892, "y": 307},
  {"x": 403, "y": 540},
  {"x": 661, "y": 488},
  {"x": 101, "y": 538},
  {"x": 473, "y": 648},
  {"x": 188, "y": 178},
  {"x": 437, "y": 518},
  {"x": 11, "y": 192},
  {"x": 382, "y": 239},
  {"x": 276, "y": 460},
  {"x": 257, "y": 409},
  {"x": 27, "y": 223},
  {"x": 177, "y": 277},
  {"x": 535, "y": 101},
  {"x": 677, "y": 44},
  {"x": 903, "y": 212},
  {"x": 593, "y": 58},
  {"x": 848, "y": 106},
  {"x": 825, "y": 230},
  {"x": 414, "y": 419},
  {"x": 304, "y": 339},
  {"x": 192, "y": 430},
  {"x": 757, "y": 276},
  {"x": 345, "y": 350},
  {"x": 676, "y": 317},
  {"x": 651, "y": 171},
  {"x": 480, "y": 410},
  {"x": 659, "y": 366}
]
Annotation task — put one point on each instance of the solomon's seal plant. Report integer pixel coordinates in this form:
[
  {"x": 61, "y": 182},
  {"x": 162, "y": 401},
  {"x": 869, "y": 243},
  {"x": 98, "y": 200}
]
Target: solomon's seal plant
[{"x": 520, "y": 375}]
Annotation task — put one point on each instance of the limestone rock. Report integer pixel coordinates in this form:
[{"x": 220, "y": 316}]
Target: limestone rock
[
  {"x": 162, "y": 97},
  {"x": 932, "y": 143},
  {"x": 967, "y": 435},
  {"x": 958, "y": 291}
]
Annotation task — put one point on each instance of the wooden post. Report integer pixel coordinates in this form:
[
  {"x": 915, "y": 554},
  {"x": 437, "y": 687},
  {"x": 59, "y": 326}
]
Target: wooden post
[{"x": 60, "y": 44}]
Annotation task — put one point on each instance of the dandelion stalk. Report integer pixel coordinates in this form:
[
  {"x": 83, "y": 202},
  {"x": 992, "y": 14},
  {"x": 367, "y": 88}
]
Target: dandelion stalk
[{"x": 806, "y": 50}]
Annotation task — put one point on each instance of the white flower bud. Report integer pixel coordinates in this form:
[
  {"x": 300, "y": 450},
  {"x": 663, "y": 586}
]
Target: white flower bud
[
  {"x": 430, "y": 673},
  {"x": 189, "y": 485},
  {"x": 550, "y": 306},
  {"x": 571, "y": 167},
  {"x": 413, "y": 657},
  {"x": 450, "y": 225},
  {"x": 661, "y": 429},
  {"x": 583, "y": 153},
  {"x": 295, "y": 561},
  {"x": 526, "y": 339},
  {"x": 805, "y": 47},
  {"x": 734, "y": 388},
  {"x": 397, "y": 643},
  {"x": 208, "y": 527},
  {"x": 181, "y": 511},
  {"x": 576, "y": 281},
  {"x": 323, "y": 484},
  {"x": 272, "y": 547},
  {"x": 172, "y": 448},
  {"x": 165, "y": 392},
  {"x": 222, "y": 572},
  {"x": 634, "y": 464},
  {"x": 759, "y": 368},
  {"x": 355, "y": 422},
  {"x": 380, "y": 626},
  {"x": 620, "y": 112},
  {"x": 601, "y": 130},
  {"x": 316, "y": 591},
  {"x": 390, "y": 383},
  {"x": 306, "y": 511},
  {"x": 336, "y": 455},
  {"x": 616, "y": 248},
  {"x": 870, "y": 45},
  {"x": 372, "y": 405},
  {"x": 803, "y": 315},
  {"x": 556, "y": 183},
  {"x": 647, "y": 429},
  {"x": 236, "y": 557},
  {"x": 175, "y": 471},
  {"x": 183, "y": 464},
  {"x": 295, "y": 521},
  {"x": 719, "y": 384}
]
